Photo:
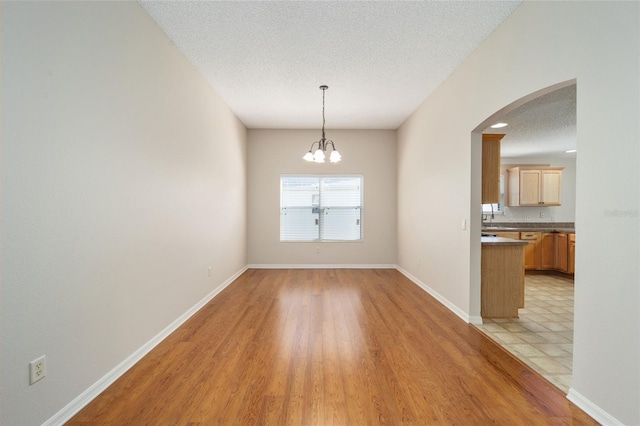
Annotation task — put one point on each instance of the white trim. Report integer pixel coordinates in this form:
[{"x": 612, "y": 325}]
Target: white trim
[
  {"x": 597, "y": 413},
  {"x": 98, "y": 387},
  {"x": 322, "y": 266},
  {"x": 453, "y": 308},
  {"x": 475, "y": 320}
]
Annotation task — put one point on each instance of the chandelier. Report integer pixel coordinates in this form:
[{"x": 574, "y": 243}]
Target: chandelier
[{"x": 323, "y": 144}]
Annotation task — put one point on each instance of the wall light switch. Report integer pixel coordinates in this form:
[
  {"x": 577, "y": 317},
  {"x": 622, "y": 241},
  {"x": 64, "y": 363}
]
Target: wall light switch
[{"x": 463, "y": 225}]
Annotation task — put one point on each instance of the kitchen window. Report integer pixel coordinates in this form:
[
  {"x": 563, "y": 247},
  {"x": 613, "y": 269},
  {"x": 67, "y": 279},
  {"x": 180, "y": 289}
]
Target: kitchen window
[
  {"x": 321, "y": 208},
  {"x": 495, "y": 208}
]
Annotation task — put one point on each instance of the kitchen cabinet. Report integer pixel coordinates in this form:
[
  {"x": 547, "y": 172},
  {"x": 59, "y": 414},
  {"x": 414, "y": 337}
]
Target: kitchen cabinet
[
  {"x": 554, "y": 251},
  {"x": 544, "y": 251},
  {"x": 548, "y": 251},
  {"x": 502, "y": 280},
  {"x": 491, "y": 168},
  {"x": 562, "y": 252},
  {"x": 534, "y": 186},
  {"x": 571, "y": 254},
  {"x": 532, "y": 249},
  {"x": 514, "y": 235}
]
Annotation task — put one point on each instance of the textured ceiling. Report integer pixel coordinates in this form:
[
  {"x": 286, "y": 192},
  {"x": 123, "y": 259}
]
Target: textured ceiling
[
  {"x": 544, "y": 126},
  {"x": 380, "y": 59}
]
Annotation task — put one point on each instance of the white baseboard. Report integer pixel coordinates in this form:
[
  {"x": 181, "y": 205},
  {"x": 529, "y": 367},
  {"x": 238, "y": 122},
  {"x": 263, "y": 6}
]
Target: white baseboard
[
  {"x": 321, "y": 266},
  {"x": 453, "y": 308},
  {"x": 597, "y": 413},
  {"x": 477, "y": 320},
  {"x": 98, "y": 387}
]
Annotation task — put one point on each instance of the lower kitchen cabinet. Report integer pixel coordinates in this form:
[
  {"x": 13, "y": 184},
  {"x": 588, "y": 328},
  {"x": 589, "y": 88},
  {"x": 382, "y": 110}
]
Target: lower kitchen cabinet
[
  {"x": 548, "y": 251},
  {"x": 502, "y": 280},
  {"x": 508, "y": 234},
  {"x": 562, "y": 252},
  {"x": 557, "y": 253},
  {"x": 571, "y": 254},
  {"x": 545, "y": 251},
  {"x": 531, "y": 250}
]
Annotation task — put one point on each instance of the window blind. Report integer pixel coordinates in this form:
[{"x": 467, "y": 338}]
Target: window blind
[{"x": 319, "y": 208}]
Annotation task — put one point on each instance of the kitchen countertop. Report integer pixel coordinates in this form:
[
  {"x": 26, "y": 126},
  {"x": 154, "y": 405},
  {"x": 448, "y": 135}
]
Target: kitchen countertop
[
  {"x": 567, "y": 227},
  {"x": 525, "y": 229},
  {"x": 499, "y": 241}
]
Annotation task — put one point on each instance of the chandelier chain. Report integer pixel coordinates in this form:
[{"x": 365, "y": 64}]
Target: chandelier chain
[
  {"x": 323, "y": 144},
  {"x": 323, "y": 120}
]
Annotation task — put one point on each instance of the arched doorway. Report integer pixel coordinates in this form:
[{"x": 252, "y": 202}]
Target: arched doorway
[{"x": 542, "y": 130}]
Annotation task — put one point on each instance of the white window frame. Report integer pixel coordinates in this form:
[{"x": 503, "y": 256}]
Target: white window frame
[{"x": 320, "y": 177}]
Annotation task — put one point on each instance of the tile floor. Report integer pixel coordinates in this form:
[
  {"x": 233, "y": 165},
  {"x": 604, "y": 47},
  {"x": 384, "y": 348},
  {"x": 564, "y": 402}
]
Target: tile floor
[{"x": 542, "y": 337}]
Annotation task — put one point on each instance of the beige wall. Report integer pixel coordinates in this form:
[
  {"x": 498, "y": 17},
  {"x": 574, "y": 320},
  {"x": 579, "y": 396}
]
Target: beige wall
[
  {"x": 539, "y": 45},
  {"x": 371, "y": 153},
  {"x": 123, "y": 181}
]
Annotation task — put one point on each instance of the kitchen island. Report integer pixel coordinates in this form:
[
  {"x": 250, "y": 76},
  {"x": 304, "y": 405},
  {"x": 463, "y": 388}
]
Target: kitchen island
[{"x": 502, "y": 277}]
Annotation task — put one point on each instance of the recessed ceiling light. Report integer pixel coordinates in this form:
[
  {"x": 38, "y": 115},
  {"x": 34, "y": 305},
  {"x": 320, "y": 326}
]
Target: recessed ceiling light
[
  {"x": 571, "y": 150},
  {"x": 499, "y": 125}
]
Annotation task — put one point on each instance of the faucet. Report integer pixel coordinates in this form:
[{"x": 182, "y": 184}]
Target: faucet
[{"x": 486, "y": 216}]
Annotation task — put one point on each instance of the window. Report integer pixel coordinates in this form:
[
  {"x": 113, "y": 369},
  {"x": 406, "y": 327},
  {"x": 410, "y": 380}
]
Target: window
[{"x": 320, "y": 208}]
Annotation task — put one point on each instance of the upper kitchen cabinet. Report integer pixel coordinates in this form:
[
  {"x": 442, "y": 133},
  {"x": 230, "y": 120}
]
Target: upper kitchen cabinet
[
  {"x": 491, "y": 168},
  {"x": 534, "y": 186}
]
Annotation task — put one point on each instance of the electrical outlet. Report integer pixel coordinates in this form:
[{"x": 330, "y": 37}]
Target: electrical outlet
[
  {"x": 209, "y": 271},
  {"x": 37, "y": 369},
  {"x": 541, "y": 215}
]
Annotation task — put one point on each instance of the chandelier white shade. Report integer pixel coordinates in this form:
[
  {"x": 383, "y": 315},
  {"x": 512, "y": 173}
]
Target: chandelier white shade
[{"x": 319, "y": 155}]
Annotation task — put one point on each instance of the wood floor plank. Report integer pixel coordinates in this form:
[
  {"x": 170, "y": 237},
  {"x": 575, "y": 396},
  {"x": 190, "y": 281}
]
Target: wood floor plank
[{"x": 325, "y": 347}]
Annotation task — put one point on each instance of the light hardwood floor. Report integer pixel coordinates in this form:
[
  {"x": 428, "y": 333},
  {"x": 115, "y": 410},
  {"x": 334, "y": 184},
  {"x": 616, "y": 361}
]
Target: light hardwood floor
[{"x": 324, "y": 347}]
